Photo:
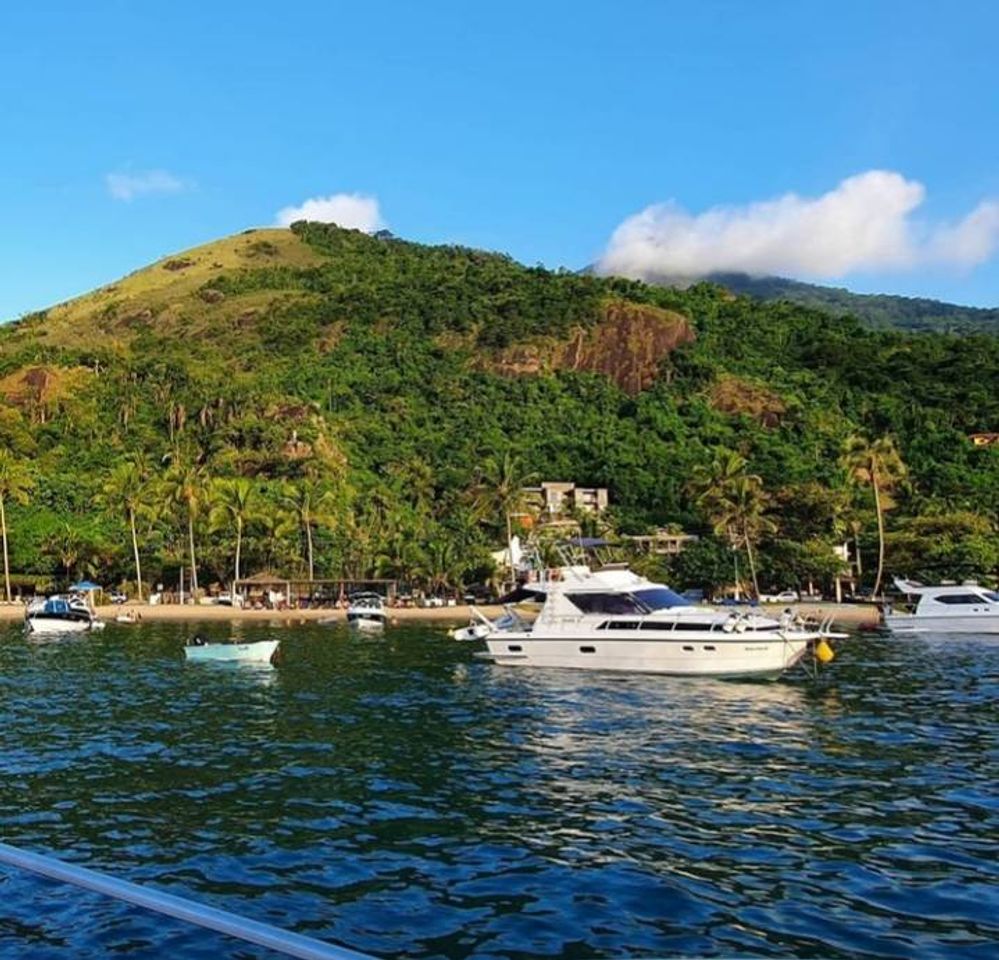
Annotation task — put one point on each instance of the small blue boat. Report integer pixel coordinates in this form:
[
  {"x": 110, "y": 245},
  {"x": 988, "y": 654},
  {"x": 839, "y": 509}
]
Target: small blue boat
[{"x": 259, "y": 652}]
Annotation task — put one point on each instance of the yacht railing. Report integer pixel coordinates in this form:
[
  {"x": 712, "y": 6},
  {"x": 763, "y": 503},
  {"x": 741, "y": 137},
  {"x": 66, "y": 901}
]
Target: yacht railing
[{"x": 252, "y": 931}]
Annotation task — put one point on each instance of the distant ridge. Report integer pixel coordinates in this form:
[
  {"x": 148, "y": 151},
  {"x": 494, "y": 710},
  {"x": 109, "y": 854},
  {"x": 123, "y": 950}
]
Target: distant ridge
[{"x": 878, "y": 310}]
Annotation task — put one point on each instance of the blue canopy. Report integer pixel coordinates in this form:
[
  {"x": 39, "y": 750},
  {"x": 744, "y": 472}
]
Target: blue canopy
[{"x": 84, "y": 586}]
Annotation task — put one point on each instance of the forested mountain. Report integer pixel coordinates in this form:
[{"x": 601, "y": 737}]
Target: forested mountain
[
  {"x": 364, "y": 405},
  {"x": 877, "y": 310}
]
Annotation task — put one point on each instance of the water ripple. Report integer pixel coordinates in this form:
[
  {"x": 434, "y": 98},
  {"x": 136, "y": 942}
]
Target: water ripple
[{"x": 398, "y": 797}]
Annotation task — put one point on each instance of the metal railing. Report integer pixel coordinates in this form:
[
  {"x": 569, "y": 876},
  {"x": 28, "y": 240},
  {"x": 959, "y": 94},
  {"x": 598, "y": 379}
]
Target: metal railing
[{"x": 231, "y": 924}]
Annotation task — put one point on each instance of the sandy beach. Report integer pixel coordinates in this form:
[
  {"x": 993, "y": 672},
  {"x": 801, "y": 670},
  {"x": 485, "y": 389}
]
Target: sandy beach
[{"x": 844, "y": 615}]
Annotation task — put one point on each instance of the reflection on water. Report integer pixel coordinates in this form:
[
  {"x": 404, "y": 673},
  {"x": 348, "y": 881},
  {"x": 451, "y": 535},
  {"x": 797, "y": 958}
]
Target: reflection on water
[{"x": 394, "y": 795}]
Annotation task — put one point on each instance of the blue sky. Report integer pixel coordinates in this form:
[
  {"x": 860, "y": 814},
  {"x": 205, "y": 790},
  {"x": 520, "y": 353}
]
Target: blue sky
[{"x": 539, "y": 129}]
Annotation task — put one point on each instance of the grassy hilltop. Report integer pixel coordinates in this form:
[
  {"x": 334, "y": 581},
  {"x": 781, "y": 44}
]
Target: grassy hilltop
[{"x": 379, "y": 399}]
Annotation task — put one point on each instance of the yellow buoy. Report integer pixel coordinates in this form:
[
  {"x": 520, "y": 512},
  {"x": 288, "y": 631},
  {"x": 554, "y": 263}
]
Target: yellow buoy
[{"x": 823, "y": 652}]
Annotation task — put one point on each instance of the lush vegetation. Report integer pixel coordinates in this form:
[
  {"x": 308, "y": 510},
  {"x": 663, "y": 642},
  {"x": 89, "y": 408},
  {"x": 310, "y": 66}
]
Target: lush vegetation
[{"x": 321, "y": 401}]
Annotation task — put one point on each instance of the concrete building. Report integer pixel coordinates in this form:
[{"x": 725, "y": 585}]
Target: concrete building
[{"x": 555, "y": 498}]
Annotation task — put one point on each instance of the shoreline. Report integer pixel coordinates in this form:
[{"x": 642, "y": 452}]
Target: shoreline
[{"x": 844, "y": 614}]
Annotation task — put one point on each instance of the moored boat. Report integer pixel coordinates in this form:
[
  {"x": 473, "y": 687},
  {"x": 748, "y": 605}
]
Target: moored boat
[
  {"x": 366, "y": 611},
  {"x": 965, "y": 608},
  {"x": 60, "y": 614},
  {"x": 260, "y": 651},
  {"x": 614, "y": 619}
]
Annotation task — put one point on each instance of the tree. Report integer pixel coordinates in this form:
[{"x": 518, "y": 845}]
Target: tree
[
  {"x": 186, "y": 485},
  {"x": 127, "y": 487},
  {"x": 233, "y": 501},
  {"x": 879, "y": 464},
  {"x": 80, "y": 551},
  {"x": 310, "y": 503},
  {"x": 16, "y": 483},
  {"x": 500, "y": 490},
  {"x": 734, "y": 501}
]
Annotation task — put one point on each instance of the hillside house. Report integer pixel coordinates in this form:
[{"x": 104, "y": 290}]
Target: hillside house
[
  {"x": 662, "y": 542},
  {"x": 551, "y": 499}
]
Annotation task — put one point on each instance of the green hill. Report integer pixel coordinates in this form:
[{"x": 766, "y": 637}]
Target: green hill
[{"x": 381, "y": 396}]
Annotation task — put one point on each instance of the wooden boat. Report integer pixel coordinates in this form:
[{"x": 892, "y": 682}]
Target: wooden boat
[{"x": 261, "y": 651}]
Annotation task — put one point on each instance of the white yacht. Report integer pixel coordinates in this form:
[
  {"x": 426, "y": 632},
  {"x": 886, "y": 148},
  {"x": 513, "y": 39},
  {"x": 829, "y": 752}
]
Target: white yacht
[
  {"x": 967, "y": 608},
  {"x": 366, "y": 611},
  {"x": 60, "y": 614},
  {"x": 614, "y": 619}
]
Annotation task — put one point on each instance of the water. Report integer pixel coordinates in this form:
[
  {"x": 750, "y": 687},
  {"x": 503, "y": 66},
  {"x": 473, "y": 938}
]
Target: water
[{"x": 396, "y": 796}]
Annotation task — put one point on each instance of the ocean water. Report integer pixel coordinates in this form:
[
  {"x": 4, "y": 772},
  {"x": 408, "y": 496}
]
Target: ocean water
[{"x": 396, "y": 796}]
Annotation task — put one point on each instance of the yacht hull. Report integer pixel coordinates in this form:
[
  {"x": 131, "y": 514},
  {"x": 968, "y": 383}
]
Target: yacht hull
[
  {"x": 53, "y": 625},
  {"x": 719, "y": 656},
  {"x": 366, "y": 621},
  {"x": 913, "y": 624}
]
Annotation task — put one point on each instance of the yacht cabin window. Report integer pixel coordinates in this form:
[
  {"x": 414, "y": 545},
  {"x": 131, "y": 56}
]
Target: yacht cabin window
[{"x": 959, "y": 598}]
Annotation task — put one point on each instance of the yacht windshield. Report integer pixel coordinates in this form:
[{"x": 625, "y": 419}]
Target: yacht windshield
[
  {"x": 604, "y": 602},
  {"x": 660, "y": 598},
  {"x": 637, "y": 602},
  {"x": 992, "y": 595}
]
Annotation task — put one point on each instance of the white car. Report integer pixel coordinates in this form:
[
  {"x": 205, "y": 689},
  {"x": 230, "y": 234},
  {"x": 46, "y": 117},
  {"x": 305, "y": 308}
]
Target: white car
[{"x": 785, "y": 596}]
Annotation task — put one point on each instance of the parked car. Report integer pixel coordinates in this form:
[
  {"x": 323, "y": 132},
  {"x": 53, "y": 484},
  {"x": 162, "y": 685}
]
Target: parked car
[
  {"x": 785, "y": 596},
  {"x": 116, "y": 596},
  {"x": 859, "y": 596}
]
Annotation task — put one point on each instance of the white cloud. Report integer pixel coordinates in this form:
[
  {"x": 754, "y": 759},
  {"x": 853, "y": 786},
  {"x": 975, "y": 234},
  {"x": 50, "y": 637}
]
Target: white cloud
[
  {"x": 865, "y": 223},
  {"x": 352, "y": 210},
  {"x": 128, "y": 186}
]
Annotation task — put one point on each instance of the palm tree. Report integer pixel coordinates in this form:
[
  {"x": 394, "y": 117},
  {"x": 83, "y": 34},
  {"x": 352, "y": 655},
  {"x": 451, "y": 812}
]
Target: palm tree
[
  {"x": 500, "y": 490},
  {"x": 879, "y": 464},
  {"x": 186, "y": 487},
  {"x": 80, "y": 552},
  {"x": 275, "y": 527},
  {"x": 233, "y": 501},
  {"x": 735, "y": 503},
  {"x": 311, "y": 504},
  {"x": 15, "y": 485},
  {"x": 128, "y": 487}
]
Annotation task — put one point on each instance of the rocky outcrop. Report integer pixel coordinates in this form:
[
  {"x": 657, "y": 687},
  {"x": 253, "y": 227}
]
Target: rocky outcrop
[
  {"x": 733, "y": 395},
  {"x": 39, "y": 391},
  {"x": 628, "y": 344}
]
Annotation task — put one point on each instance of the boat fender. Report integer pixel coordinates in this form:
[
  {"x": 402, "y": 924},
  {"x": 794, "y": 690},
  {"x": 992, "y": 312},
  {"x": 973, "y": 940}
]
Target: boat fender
[{"x": 823, "y": 652}]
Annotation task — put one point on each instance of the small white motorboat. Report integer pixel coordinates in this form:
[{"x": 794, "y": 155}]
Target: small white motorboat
[
  {"x": 60, "y": 614},
  {"x": 366, "y": 611},
  {"x": 201, "y": 650}
]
